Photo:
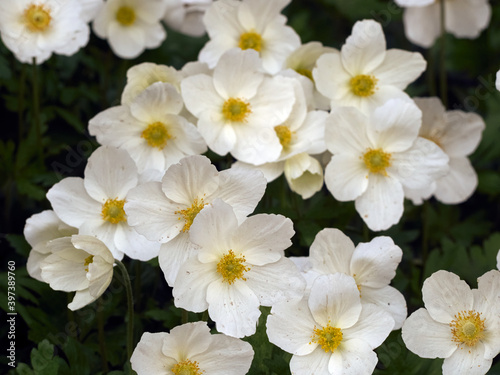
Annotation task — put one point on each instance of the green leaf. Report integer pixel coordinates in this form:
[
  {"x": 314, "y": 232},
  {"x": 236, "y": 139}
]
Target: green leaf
[{"x": 42, "y": 359}]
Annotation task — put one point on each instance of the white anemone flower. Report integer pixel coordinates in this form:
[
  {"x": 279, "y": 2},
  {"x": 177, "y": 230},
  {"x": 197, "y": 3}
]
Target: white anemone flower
[
  {"x": 186, "y": 16},
  {"x": 463, "y": 19},
  {"x": 240, "y": 107},
  {"x": 249, "y": 25},
  {"x": 38, "y": 231},
  {"x": 458, "y": 134},
  {"x": 190, "y": 349},
  {"x": 329, "y": 332},
  {"x": 364, "y": 74},
  {"x": 131, "y": 26},
  {"x": 301, "y": 135},
  {"x": 164, "y": 211},
  {"x": 239, "y": 266},
  {"x": 81, "y": 264},
  {"x": 458, "y": 324},
  {"x": 375, "y": 157},
  {"x": 141, "y": 76},
  {"x": 94, "y": 204},
  {"x": 150, "y": 129},
  {"x": 372, "y": 264},
  {"x": 34, "y": 29}
]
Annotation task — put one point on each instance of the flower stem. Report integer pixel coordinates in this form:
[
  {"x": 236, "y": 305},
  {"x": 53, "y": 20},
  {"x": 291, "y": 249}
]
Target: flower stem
[
  {"x": 20, "y": 103},
  {"x": 442, "y": 56},
  {"x": 36, "y": 113},
  {"x": 100, "y": 332},
  {"x": 130, "y": 304}
]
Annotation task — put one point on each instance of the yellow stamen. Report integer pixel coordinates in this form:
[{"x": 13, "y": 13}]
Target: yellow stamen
[
  {"x": 156, "y": 135},
  {"x": 125, "y": 15},
  {"x": 250, "y": 40},
  {"x": 113, "y": 211},
  {"x": 187, "y": 367},
  {"x": 88, "y": 260},
  {"x": 329, "y": 338},
  {"x": 190, "y": 213},
  {"x": 37, "y": 18},
  {"x": 467, "y": 328},
  {"x": 377, "y": 161},
  {"x": 235, "y": 109},
  {"x": 363, "y": 85},
  {"x": 284, "y": 134},
  {"x": 231, "y": 267}
]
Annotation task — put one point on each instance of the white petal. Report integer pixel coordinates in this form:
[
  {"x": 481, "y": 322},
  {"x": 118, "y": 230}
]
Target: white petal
[
  {"x": 345, "y": 131},
  {"x": 200, "y": 86},
  {"x": 466, "y": 19},
  {"x": 444, "y": 295},
  {"x": 388, "y": 298},
  {"x": 147, "y": 357},
  {"x": 290, "y": 326},
  {"x": 364, "y": 49},
  {"x": 304, "y": 175},
  {"x": 110, "y": 173},
  {"x": 400, "y": 68},
  {"x": 374, "y": 263},
  {"x": 234, "y": 308},
  {"x": 459, "y": 184},
  {"x": 315, "y": 363},
  {"x": 331, "y": 252},
  {"x": 427, "y": 338},
  {"x": 357, "y": 358},
  {"x": 173, "y": 254},
  {"x": 82, "y": 298},
  {"x": 422, "y": 25},
  {"x": 186, "y": 341},
  {"x": 462, "y": 134},
  {"x": 334, "y": 300},
  {"x": 381, "y": 205},
  {"x": 346, "y": 177},
  {"x": 276, "y": 282},
  {"x": 470, "y": 362}
]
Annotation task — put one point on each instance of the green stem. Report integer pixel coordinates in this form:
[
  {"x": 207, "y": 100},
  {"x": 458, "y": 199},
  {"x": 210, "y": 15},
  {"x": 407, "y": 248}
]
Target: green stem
[
  {"x": 442, "y": 56},
  {"x": 100, "y": 333},
  {"x": 20, "y": 109},
  {"x": 36, "y": 113},
  {"x": 130, "y": 304},
  {"x": 184, "y": 317}
]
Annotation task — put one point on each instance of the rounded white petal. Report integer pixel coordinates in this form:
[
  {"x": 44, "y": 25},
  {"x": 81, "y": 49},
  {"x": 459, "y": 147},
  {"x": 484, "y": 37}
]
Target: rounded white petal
[
  {"x": 357, "y": 358},
  {"x": 444, "y": 295},
  {"x": 304, "y": 175},
  {"x": 400, "y": 68},
  {"x": 381, "y": 205},
  {"x": 331, "y": 252},
  {"x": 466, "y": 19},
  {"x": 334, "y": 300},
  {"x": 462, "y": 134},
  {"x": 346, "y": 177},
  {"x": 422, "y": 25},
  {"x": 187, "y": 340},
  {"x": 345, "y": 131},
  {"x": 459, "y": 184},
  {"x": 426, "y": 337},
  {"x": 470, "y": 362},
  {"x": 314, "y": 363},
  {"x": 173, "y": 254},
  {"x": 388, "y": 298},
  {"x": 148, "y": 357}
]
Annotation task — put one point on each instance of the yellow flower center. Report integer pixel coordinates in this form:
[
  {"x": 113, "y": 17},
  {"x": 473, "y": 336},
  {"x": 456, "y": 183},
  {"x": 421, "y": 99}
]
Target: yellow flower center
[
  {"x": 156, "y": 134},
  {"x": 88, "y": 260},
  {"x": 250, "y": 40},
  {"x": 467, "y": 328},
  {"x": 284, "y": 134},
  {"x": 190, "y": 213},
  {"x": 363, "y": 85},
  {"x": 187, "y": 367},
  {"x": 235, "y": 109},
  {"x": 113, "y": 211},
  {"x": 125, "y": 15},
  {"x": 231, "y": 267},
  {"x": 377, "y": 161},
  {"x": 305, "y": 72},
  {"x": 37, "y": 18},
  {"x": 329, "y": 338}
]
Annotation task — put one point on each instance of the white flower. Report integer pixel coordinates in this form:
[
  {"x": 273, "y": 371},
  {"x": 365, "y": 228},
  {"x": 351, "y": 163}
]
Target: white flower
[
  {"x": 458, "y": 134},
  {"x": 186, "y": 16},
  {"x": 94, "y": 204},
  {"x": 300, "y": 135},
  {"x": 37, "y": 28},
  {"x": 463, "y": 18},
  {"x": 131, "y": 26},
  {"x": 375, "y": 157},
  {"x": 191, "y": 349},
  {"x": 373, "y": 266},
  {"x": 240, "y": 107},
  {"x": 141, "y": 76},
  {"x": 78, "y": 263},
  {"x": 164, "y": 212},
  {"x": 38, "y": 231},
  {"x": 249, "y": 24},
  {"x": 364, "y": 74},
  {"x": 150, "y": 129},
  {"x": 239, "y": 266},
  {"x": 329, "y": 332},
  {"x": 458, "y": 324}
]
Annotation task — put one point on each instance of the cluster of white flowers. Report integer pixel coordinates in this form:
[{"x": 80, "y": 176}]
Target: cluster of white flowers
[{"x": 276, "y": 107}]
